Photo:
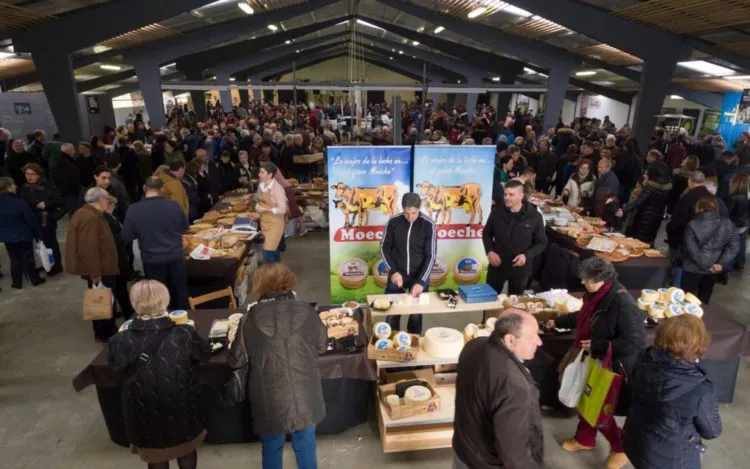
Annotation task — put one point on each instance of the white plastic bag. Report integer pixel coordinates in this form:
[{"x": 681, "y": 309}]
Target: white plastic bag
[
  {"x": 44, "y": 256},
  {"x": 574, "y": 380}
]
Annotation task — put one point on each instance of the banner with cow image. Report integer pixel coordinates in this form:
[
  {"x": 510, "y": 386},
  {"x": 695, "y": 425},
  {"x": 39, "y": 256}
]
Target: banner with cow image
[
  {"x": 367, "y": 183},
  {"x": 455, "y": 184}
]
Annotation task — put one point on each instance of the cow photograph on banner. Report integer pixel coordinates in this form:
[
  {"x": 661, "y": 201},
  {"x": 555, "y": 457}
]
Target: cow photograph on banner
[
  {"x": 455, "y": 185},
  {"x": 367, "y": 184}
]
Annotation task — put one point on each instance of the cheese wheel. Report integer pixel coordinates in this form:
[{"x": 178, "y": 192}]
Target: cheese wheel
[
  {"x": 381, "y": 303},
  {"x": 381, "y": 330},
  {"x": 383, "y": 344},
  {"x": 439, "y": 272},
  {"x": 643, "y": 304},
  {"x": 380, "y": 273},
  {"x": 402, "y": 338},
  {"x": 352, "y": 273},
  {"x": 417, "y": 395},
  {"x": 443, "y": 342},
  {"x": 179, "y": 317},
  {"x": 675, "y": 295},
  {"x": 694, "y": 310},
  {"x": 490, "y": 323},
  {"x": 656, "y": 311},
  {"x": 692, "y": 299},
  {"x": 393, "y": 400},
  {"x": 673, "y": 310},
  {"x": 402, "y": 348},
  {"x": 471, "y": 330},
  {"x": 467, "y": 271},
  {"x": 191, "y": 323},
  {"x": 663, "y": 294},
  {"x": 484, "y": 332},
  {"x": 649, "y": 295}
]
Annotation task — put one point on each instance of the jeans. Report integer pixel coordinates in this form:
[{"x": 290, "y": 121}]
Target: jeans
[
  {"x": 675, "y": 258},
  {"x": 303, "y": 442},
  {"x": 22, "y": 262},
  {"x": 414, "y": 323},
  {"x": 173, "y": 275}
]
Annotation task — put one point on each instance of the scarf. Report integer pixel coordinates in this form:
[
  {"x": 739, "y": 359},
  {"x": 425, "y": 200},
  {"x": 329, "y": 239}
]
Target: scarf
[{"x": 586, "y": 315}]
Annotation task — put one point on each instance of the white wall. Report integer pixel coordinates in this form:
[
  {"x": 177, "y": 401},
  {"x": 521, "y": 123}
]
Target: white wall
[
  {"x": 568, "y": 111},
  {"x": 598, "y": 106}
]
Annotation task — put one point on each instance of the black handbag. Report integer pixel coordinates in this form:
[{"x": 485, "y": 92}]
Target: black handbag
[{"x": 234, "y": 391}]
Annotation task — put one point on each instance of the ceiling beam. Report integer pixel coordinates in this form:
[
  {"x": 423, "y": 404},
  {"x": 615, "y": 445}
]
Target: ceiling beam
[
  {"x": 104, "y": 80},
  {"x": 718, "y": 52},
  {"x": 133, "y": 87},
  {"x": 284, "y": 60},
  {"x": 78, "y": 62},
  {"x": 87, "y": 26}
]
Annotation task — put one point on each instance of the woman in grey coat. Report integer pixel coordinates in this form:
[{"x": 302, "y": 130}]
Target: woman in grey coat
[
  {"x": 281, "y": 338},
  {"x": 710, "y": 246}
]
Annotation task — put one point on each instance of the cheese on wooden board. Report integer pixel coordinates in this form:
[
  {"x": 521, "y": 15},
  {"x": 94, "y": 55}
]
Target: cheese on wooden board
[{"x": 417, "y": 394}]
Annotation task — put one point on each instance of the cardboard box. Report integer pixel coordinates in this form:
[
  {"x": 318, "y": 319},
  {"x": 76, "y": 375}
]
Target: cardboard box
[
  {"x": 391, "y": 354},
  {"x": 405, "y": 409}
]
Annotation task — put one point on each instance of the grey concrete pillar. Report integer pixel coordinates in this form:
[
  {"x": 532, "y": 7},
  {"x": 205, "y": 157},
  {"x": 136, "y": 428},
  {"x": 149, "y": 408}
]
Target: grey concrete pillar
[
  {"x": 244, "y": 95},
  {"x": 225, "y": 94},
  {"x": 56, "y": 74},
  {"x": 503, "y": 98},
  {"x": 471, "y": 104},
  {"x": 396, "y": 131},
  {"x": 656, "y": 79},
  {"x": 257, "y": 93},
  {"x": 149, "y": 79},
  {"x": 197, "y": 96},
  {"x": 557, "y": 86}
]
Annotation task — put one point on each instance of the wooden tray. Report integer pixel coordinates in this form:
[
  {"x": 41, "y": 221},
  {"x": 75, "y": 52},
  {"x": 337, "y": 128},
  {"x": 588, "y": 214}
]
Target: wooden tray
[{"x": 405, "y": 409}]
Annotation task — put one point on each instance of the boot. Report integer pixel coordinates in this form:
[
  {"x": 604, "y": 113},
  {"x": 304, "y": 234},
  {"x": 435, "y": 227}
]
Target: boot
[
  {"x": 573, "y": 446},
  {"x": 616, "y": 460}
]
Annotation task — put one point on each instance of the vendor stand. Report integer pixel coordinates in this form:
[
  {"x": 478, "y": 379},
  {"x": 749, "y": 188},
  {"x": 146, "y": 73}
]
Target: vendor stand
[{"x": 347, "y": 387}]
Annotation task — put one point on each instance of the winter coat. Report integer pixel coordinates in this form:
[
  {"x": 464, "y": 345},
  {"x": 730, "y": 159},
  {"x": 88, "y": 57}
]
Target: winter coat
[
  {"x": 90, "y": 248},
  {"x": 17, "y": 222},
  {"x": 647, "y": 210},
  {"x": 409, "y": 249},
  {"x": 87, "y": 166},
  {"x": 563, "y": 139},
  {"x": 16, "y": 161},
  {"x": 224, "y": 177},
  {"x": 191, "y": 188},
  {"x": 282, "y": 339},
  {"x": 709, "y": 240},
  {"x": 241, "y": 172},
  {"x": 547, "y": 165},
  {"x": 67, "y": 177},
  {"x": 498, "y": 423},
  {"x": 54, "y": 205},
  {"x": 510, "y": 234},
  {"x": 123, "y": 260},
  {"x": 117, "y": 190},
  {"x": 173, "y": 188},
  {"x": 617, "y": 321},
  {"x": 581, "y": 193},
  {"x": 161, "y": 398},
  {"x": 738, "y": 207},
  {"x": 684, "y": 212},
  {"x": 608, "y": 180},
  {"x": 628, "y": 168},
  {"x": 131, "y": 168},
  {"x": 673, "y": 408},
  {"x": 679, "y": 186}
]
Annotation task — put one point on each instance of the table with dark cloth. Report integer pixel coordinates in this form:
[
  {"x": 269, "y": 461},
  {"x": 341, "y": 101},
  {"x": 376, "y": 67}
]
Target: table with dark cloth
[
  {"x": 347, "y": 379},
  {"x": 729, "y": 341},
  {"x": 641, "y": 272}
]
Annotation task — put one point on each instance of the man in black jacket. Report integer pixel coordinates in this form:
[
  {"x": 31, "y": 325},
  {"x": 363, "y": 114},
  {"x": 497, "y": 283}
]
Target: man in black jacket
[
  {"x": 514, "y": 235},
  {"x": 409, "y": 247},
  {"x": 546, "y": 166},
  {"x": 67, "y": 177},
  {"x": 498, "y": 423}
]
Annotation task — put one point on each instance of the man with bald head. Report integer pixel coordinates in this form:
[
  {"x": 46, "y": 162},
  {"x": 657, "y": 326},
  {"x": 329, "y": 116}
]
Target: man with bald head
[
  {"x": 67, "y": 177},
  {"x": 497, "y": 422}
]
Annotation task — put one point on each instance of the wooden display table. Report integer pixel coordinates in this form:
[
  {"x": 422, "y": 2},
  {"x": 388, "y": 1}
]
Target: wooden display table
[{"x": 432, "y": 430}]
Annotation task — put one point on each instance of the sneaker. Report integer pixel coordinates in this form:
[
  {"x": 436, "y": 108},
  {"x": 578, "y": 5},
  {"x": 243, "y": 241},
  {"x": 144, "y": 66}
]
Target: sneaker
[
  {"x": 573, "y": 446},
  {"x": 616, "y": 460}
]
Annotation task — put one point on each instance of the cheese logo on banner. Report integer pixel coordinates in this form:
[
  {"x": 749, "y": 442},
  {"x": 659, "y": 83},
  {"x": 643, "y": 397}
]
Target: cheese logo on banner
[
  {"x": 367, "y": 184},
  {"x": 455, "y": 184}
]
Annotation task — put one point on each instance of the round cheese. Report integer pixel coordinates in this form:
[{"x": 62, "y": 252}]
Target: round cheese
[
  {"x": 663, "y": 294},
  {"x": 382, "y": 303},
  {"x": 467, "y": 271},
  {"x": 443, "y": 342},
  {"x": 381, "y": 330},
  {"x": 673, "y": 310},
  {"x": 675, "y": 295},
  {"x": 392, "y": 400},
  {"x": 402, "y": 338},
  {"x": 490, "y": 323},
  {"x": 383, "y": 344},
  {"x": 380, "y": 273},
  {"x": 649, "y": 295},
  {"x": 417, "y": 395},
  {"x": 439, "y": 272},
  {"x": 692, "y": 299},
  {"x": 471, "y": 330},
  {"x": 694, "y": 310},
  {"x": 643, "y": 304},
  {"x": 352, "y": 273},
  {"x": 402, "y": 348},
  {"x": 656, "y": 311},
  {"x": 179, "y": 317},
  {"x": 484, "y": 332}
]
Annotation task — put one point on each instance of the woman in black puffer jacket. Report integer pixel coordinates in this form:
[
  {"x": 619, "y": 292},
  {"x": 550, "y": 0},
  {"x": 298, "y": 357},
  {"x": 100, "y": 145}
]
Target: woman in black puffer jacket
[
  {"x": 647, "y": 204},
  {"x": 674, "y": 405}
]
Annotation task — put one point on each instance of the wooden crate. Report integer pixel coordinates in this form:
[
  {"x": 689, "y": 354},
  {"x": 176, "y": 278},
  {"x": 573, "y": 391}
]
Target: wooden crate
[
  {"x": 405, "y": 409},
  {"x": 391, "y": 354}
]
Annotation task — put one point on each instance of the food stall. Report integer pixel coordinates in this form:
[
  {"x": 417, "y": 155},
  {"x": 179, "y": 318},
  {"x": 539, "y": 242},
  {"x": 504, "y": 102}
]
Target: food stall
[{"x": 312, "y": 198}]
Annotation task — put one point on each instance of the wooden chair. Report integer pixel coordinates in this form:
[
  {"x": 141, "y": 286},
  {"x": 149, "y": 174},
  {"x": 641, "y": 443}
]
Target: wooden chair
[{"x": 226, "y": 292}]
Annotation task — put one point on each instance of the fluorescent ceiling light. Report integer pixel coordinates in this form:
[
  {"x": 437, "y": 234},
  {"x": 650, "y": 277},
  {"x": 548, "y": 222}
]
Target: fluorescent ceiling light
[
  {"x": 390, "y": 58},
  {"x": 110, "y": 67},
  {"x": 232, "y": 79},
  {"x": 476, "y": 12},
  {"x": 168, "y": 65},
  {"x": 706, "y": 67},
  {"x": 297, "y": 51},
  {"x": 420, "y": 29},
  {"x": 273, "y": 27},
  {"x": 603, "y": 82},
  {"x": 415, "y": 43},
  {"x": 495, "y": 78},
  {"x": 244, "y": 6},
  {"x": 287, "y": 41},
  {"x": 529, "y": 71},
  {"x": 213, "y": 77},
  {"x": 738, "y": 77},
  {"x": 544, "y": 75},
  {"x": 586, "y": 73},
  {"x": 515, "y": 11},
  {"x": 439, "y": 29},
  {"x": 458, "y": 81},
  {"x": 676, "y": 97},
  {"x": 400, "y": 52},
  {"x": 369, "y": 25}
]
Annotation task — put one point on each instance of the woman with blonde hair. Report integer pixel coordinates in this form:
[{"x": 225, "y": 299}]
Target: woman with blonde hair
[
  {"x": 280, "y": 332},
  {"x": 161, "y": 399},
  {"x": 674, "y": 405}
]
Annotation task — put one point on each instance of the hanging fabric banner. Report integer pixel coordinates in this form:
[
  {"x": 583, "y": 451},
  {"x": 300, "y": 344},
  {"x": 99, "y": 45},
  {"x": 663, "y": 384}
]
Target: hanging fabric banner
[
  {"x": 455, "y": 184},
  {"x": 367, "y": 183}
]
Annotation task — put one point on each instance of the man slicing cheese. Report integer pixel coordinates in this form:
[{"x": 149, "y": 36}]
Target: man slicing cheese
[{"x": 409, "y": 248}]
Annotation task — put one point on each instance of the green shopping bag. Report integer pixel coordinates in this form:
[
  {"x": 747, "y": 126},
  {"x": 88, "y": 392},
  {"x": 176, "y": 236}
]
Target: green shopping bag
[{"x": 602, "y": 390}]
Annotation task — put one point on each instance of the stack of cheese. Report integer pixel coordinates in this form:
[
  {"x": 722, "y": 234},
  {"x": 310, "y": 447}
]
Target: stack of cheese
[
  {"x": 401, "y": 341},
  {"x": 416, "y": 394},
  {"x": 669, "y": 302},
  {"x": 472, "y": 331}
]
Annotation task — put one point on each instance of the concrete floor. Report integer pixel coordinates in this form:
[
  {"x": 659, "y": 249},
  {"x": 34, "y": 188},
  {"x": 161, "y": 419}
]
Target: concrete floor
[{"x": 44, "y": 423}]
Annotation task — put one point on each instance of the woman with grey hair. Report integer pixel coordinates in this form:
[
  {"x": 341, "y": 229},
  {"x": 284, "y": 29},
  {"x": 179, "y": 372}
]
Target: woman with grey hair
[{"x": 609, "y": 325}]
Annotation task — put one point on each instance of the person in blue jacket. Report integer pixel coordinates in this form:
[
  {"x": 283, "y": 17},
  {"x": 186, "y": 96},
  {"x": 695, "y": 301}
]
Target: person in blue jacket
[{"x": 18, "y": 229}]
